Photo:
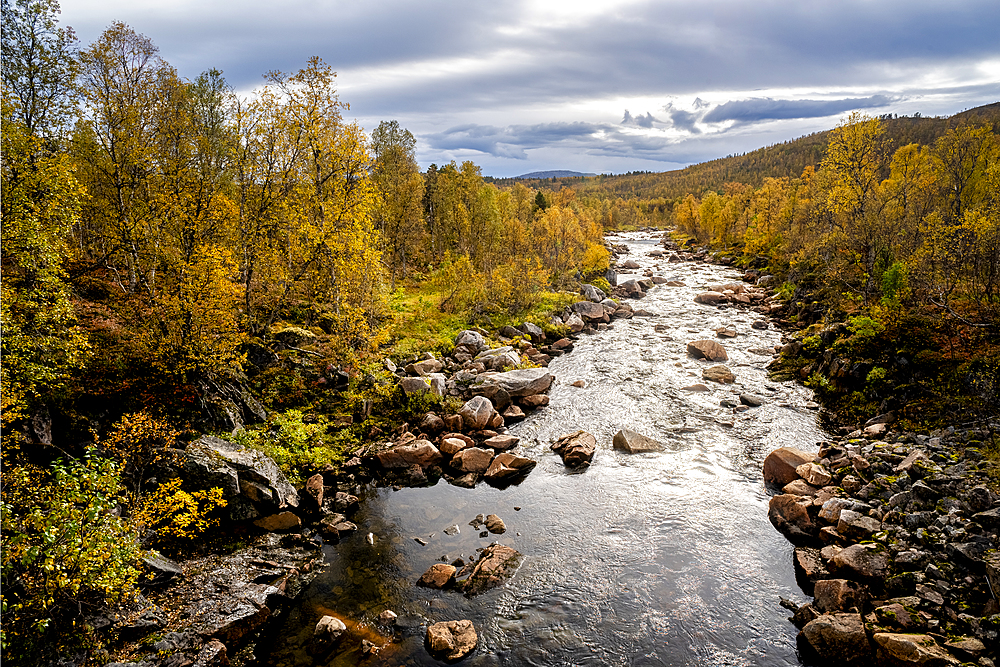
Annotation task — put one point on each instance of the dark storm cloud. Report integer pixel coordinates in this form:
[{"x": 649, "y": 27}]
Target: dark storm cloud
[{"x": 765, "y": 108}]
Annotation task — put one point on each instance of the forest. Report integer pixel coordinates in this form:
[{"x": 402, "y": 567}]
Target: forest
[
  {"x": 160, "y": 234},
  {"x": 157, "y": 232}
]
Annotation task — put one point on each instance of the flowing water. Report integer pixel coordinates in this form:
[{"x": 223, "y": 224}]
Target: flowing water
[{"x": 648, "y": 559}]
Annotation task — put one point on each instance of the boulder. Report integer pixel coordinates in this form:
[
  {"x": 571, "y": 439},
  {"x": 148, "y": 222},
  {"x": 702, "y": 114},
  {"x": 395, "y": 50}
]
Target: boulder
[
  {"x": 780, "y": 465},
  {"x": 906, "y": 649},
  {"x": 437, "y": 576},
  {"x": 414, "y": 385},
  {"x": 476, "y": 412},
  {"x": 635, "y": 443},
  {"x": 452, "y": 640},
  {"x": 472, "y": 341},
  {"x": 425, "y": 367},
  {"x": 517, "y": 383},
  {"x": 856, "y": 526},
  {"x": 707, "y": 349},
  {"x": 278, "y": 522},
  {"x": 709, "y": 298},
  {"x": 506, "y": 466},
  {"x": 452, "y": 446},
  {"x": 837, "y": 595},
  {"x": 431, "y": 423},
  {"x": 813, "y": 474},
  {"x": 328, "y": 630},
  {"x": 589, "y": 311},
  {"x": 472, "y": 459},
  {"x": 576, "y": 448},
  {"x": 790, "y": 515},
  {"x": 575, "y": 323},
  {"x": 251, "y": 482},
  {"x": 158, "y": 570},
  {"x": 809, "y": 567},
  {"x": 534, "y": 332},
  {"x": 502, "y": 441},
  {"x": 513, "y": 414},
  {"x": 867, "y": 562},
  {"x": 295, "y": 336},
  {"x": 534, "y": 402},
  {"x": 495, "y": 524},
  {"x": 418, "y": 452},
  {"x": 593, "y": 293},
  {"x": 720, "y": 374},
  {"x": 496, "y": 564},
  {"x": 314, "y": 489},
  {"x": 838, "y": 639}
]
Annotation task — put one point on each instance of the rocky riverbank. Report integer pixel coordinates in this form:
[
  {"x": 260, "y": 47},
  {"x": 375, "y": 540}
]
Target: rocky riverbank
[{"x": 896, "y": 536}]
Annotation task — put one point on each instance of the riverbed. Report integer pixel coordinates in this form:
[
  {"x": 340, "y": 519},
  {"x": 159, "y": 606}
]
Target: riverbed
[{"x": 649, "y": 559}]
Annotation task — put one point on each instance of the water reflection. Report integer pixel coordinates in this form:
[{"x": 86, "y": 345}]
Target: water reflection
[{"x": 649, "y": 559}]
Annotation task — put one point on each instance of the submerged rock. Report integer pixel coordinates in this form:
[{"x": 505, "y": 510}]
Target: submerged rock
[{"x": 707, "y": 349}]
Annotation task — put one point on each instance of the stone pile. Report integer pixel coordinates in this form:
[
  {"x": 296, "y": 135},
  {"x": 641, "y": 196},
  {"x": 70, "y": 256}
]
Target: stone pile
[{"x": 896, "y": 537}]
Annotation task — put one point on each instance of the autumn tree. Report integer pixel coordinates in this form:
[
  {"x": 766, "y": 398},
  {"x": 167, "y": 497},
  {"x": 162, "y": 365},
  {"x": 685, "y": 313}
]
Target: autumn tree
[
  {"x": 399, "y": 213},
  {"x": 39, "y": 66}
]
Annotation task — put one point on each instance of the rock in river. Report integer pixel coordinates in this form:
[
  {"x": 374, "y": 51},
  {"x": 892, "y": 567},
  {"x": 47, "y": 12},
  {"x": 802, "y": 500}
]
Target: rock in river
[
  {"x": 506, "y": 466},
  {"x": 438, "y": 576},
  {"x": 635, "y": 443},
  {"x": 707, "y": 349},
  {"x": 496, "y": 564},
  {"x": 576, "y": 448},
  {"x": 720, "y": 374},
  {"x": 452, "y": 640}
]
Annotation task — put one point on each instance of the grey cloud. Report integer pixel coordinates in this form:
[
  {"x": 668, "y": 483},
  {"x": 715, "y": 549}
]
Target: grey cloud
[
  {"x": 764, "y": 108},
  {"x": 638, "y": 121}
]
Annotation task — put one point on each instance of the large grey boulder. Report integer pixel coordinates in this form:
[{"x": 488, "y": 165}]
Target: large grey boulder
[
  {"x": 476, "y": 412},
  {"x": 592, "y": 293},
  {"x": 472, "y": 341},
  {"x": 517, "y": 383},
  {"x": 251, "y": 482}
]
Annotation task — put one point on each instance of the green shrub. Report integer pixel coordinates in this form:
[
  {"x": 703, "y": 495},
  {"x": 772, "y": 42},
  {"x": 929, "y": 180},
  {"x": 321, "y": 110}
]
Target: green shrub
[
  {"x": 295, "y": 445},
  {"x": 66, "y": 552}
]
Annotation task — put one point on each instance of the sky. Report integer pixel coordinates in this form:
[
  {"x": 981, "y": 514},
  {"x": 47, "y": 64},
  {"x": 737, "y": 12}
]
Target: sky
[{"x": 602, "y": 87}]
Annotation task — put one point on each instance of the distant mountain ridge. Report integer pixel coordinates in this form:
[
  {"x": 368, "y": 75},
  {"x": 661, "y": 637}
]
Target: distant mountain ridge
[
  {"x": 553, "y": 173},
  {"x": 785, "y": 159}
]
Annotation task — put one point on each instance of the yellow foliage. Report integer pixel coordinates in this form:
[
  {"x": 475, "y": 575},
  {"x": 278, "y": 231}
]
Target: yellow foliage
[{"x": 173, "y": 514}]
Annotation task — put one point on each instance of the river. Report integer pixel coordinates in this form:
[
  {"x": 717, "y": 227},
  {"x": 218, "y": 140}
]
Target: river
[{"x": 647, "y": 559}]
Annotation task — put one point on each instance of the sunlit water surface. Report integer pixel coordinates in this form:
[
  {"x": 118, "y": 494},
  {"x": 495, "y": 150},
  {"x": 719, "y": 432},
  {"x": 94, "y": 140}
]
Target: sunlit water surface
[{"x": 649, "y": 559}]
